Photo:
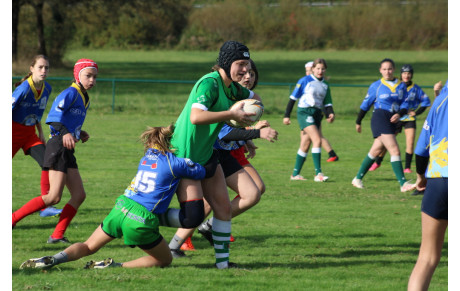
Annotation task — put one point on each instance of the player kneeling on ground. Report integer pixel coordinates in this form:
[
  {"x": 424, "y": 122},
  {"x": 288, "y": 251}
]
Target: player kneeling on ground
[{"x": 137, "y": 213}]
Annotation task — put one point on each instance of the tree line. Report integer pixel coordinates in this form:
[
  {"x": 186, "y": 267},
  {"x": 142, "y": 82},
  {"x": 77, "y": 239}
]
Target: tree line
[{"x": 50, "y": 27}]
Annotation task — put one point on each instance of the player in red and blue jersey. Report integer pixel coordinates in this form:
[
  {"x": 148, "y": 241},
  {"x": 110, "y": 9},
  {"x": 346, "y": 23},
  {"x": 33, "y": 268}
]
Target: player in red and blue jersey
[
  {"x": 29, "y": 102},
  {"x": 65, "y": 119},
  {"x": 431, "y": 159},
  {"x": 389, "y": 98},
  {"x": 140, "y": 211},
  {"x": 416, "y": 97}
]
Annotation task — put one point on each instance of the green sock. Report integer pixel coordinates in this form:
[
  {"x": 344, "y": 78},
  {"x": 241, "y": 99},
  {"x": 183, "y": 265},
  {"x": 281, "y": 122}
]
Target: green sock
[
  {"x": 398, "y": 170},
  {"x": 316, "y": 156},
  {"x": 299, "y": 161},
  {"x": 365, "y": 165}
]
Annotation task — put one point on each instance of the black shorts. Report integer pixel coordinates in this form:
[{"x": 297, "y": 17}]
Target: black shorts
[
  {"x": 211, "y": 164},
  {"x": 57, "y": 157},
  {"x": 228, "y": 162},
  {"x": 406, "y": 125},
  {"x": 380, "y": 123},
  {"x": 434, "y": 201}
]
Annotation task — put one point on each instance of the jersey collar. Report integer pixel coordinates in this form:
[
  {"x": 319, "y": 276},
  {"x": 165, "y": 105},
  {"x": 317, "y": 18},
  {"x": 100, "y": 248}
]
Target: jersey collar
[
  {"x": 34, "y": 90},
  {"x": 85, "y": 102},
  {"x": 391, "y": 87}
]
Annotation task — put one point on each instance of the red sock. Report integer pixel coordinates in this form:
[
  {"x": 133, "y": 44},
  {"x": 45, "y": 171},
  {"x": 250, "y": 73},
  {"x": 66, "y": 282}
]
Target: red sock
[
  {"x": 45, "y": 182},
  {"x": 67, "y": 214},
  {"x": 237, "y": 196},
  {"x": 30, "y": 207}
]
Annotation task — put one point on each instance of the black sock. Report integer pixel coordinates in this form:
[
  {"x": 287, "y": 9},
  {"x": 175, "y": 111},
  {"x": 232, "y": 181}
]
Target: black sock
[
  {"x": 378, "y": 160},
  {"x": 332, "y": 154},
  {"x": 408, "y": 160}
]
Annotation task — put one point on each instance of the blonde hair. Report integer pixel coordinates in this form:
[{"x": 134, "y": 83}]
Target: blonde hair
[
  {"x": 34, "y": 61},
  {"x": 158, "y": 137}
]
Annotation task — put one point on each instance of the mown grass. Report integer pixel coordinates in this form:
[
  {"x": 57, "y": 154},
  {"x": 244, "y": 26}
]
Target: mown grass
[{"x": 301, "y": 236}]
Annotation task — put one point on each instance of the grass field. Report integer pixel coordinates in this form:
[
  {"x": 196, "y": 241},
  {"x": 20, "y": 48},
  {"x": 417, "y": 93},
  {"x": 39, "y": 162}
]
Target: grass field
[{"x": 301, "y": 236}]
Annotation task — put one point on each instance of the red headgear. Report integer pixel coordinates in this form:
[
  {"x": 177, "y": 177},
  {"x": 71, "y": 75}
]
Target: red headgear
[{"x": 82, "y": 64}]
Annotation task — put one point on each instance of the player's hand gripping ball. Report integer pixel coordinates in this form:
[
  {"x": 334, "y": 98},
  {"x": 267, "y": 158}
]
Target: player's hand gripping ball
[{"x": 250, "y": 105}]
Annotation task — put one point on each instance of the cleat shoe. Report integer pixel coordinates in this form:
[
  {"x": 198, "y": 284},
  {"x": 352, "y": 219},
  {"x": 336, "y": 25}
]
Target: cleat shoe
[
  {"x": 407, "y": 187},
  {"x": 333, "y": 159},
  {"x": 107, "y": 263},
  {"x": 206, "y": 233},
  {"x": 177, "y": 253},
  {"x": 52, "y": 240},
  {"x": 321, "y": 178},
  {"x": 232, "y": 239},
  {"x": 358, "y": 183},
  {"x": 50, "y": 211},
  {"x": 407, "y": 171},
  {"x": 417, "y": 192},
  {"x": 38, "y": 263},
  {"x": 187, "y": 245},
  {"x": 374, "y": 167},
  {"x": 298, "y": 178}
]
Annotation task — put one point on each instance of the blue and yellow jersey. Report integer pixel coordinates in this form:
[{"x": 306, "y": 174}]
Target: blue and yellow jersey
[
  {"x": 312, "y": 92},
  {"x": 69, "y": 108},
  {"x": 157, "y": 179},
  {"x": 386, "y": 95},
  {"x": 434, "y": 139},
  {"x": 28, "y": 103},
  {"x": 415, "y": 97}
]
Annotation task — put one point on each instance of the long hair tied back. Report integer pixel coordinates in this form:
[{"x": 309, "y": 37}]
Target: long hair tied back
[
  {"x": 34, "y": 61},
  {"x": 158, "y": 137}
]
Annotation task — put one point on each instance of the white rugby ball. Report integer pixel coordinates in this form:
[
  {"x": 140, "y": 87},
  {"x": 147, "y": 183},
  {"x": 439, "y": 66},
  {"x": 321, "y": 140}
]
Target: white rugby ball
[{"x": 250, "y": 105}]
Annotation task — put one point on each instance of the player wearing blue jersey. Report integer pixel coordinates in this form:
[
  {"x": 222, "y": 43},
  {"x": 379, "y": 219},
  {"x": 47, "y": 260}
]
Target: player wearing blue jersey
[
  {"x": 29, "y": 102},
  {"x": 314, "y": 95},
  {"x": 65, "y": 119},
  {"x": 139, "y": 212},
  {"x": 416, "y": 97},
  {"x": 431, "y": 159},
  {"x": 389, "y": 98}
]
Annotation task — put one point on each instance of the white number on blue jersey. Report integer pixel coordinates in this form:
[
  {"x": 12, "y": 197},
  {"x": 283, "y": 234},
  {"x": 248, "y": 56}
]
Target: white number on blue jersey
[{"x": 145, "y": 181}]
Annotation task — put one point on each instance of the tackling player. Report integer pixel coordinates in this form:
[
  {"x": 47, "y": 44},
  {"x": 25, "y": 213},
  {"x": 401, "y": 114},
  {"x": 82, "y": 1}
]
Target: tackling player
[{"x": 138, "y": 213}]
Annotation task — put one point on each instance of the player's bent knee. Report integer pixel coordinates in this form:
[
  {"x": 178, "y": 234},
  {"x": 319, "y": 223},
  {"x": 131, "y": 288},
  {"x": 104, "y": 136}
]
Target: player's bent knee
[{"x": 192, "y": 213}]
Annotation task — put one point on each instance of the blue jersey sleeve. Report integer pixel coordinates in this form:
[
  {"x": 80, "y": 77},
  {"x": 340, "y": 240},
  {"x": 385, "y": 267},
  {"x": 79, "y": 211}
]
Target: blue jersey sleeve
[
  {"x": 19, "y": 93},
  {"x": 425, "y": 100},
  {"x": 370, "y": 98},
  {"x": 224, "y": 131},
  {"x": 299, "y": 88},
  {"x": 186, "y": 168},
  {"x": 61, "y": 104},
  {"x": 434, "y": 139}
]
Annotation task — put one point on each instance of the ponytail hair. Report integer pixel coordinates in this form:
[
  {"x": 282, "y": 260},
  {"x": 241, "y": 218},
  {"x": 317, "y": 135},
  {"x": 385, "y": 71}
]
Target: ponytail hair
[
  {"x": 34, "y": 61},
  {"x": 158, "y": 138}
]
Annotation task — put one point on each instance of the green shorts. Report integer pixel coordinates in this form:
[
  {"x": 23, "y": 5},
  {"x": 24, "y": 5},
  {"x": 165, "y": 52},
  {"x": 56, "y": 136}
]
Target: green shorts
[
  {"x": 132, "y": 221},
  {"x": 309, "y": 116}
]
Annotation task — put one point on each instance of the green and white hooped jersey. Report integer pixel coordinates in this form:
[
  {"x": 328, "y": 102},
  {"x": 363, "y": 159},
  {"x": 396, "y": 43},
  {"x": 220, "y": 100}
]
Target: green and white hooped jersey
[{"x": 209, "y": 93}]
